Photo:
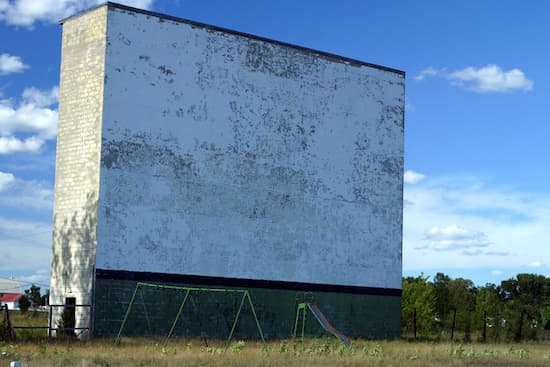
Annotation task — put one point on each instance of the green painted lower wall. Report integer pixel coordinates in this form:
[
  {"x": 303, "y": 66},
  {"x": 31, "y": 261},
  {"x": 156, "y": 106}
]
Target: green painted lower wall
[{"x": 367, "y": 316}]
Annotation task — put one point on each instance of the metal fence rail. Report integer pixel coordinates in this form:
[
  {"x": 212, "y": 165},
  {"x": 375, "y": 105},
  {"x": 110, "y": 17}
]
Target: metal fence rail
[{"x": 50, "y": 328}]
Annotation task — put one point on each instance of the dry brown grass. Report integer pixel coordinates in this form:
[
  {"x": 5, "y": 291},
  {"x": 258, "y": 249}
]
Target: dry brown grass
[{"x": 315, "y": 352}]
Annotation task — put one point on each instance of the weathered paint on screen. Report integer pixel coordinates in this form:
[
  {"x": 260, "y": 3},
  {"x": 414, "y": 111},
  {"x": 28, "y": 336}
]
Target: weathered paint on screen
[{"x": 229, "y": 156}]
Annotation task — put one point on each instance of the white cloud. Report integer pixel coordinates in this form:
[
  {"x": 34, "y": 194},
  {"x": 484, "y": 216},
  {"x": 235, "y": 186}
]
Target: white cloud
[
  {"x": 429, "y": 71},
  {"x": 487, "y": 79},
  {"x": 535, "y": 264},
  {"x": 34, "y": 115},
  {"x": 497, "y": 273},
  {"x": 27, "y": 12},
  {"x": 6, "y": 179},
  {"x": 11, "y": 144},
  {"x": 11, "y": 64},
  {"x": 25, "y": 194},
  {"x": 464, "y": 222},
  {"x": 451, "y": 232},
  {"x": 454, "y": 237},
  {"x": 39, "y": 98},
  {"x": 411, "y": 177},
  {"x": 491, "y": 78}
]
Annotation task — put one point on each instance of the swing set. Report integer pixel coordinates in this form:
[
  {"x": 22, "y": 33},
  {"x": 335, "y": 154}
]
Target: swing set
[{"x": 188, "y": 295}]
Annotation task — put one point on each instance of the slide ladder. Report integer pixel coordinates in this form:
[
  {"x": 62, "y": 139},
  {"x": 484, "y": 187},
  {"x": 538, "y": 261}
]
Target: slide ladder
[{"x": 303, "y": 307}]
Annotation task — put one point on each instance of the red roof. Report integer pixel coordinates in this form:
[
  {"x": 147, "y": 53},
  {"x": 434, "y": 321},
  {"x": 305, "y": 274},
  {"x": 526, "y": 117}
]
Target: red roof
[{"x": 10, "y": 297}]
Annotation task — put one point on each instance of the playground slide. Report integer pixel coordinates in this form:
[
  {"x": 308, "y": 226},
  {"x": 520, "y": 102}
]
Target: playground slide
[{"x": 327, "y": 326}]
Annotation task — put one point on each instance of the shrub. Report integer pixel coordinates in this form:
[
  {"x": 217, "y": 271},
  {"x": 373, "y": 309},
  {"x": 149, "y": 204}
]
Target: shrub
[
  {"x": 24, "y": 304},
  {"x": 67, "y": 321}
]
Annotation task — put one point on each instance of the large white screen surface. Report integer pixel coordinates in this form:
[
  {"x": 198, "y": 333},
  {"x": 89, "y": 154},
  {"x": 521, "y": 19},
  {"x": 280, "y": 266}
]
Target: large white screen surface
[{"x": 231, "y": 156}]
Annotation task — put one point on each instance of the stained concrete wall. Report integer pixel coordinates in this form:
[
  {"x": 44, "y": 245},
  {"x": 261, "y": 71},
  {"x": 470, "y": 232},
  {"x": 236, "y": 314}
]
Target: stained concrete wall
[
  {"x": 77, "y": 162},
  {"x": 225, "y": 155}
]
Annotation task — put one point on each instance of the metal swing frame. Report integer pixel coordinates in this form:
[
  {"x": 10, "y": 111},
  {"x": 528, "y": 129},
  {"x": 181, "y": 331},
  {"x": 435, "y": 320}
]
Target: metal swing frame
[{"x": 188, "y": 290}]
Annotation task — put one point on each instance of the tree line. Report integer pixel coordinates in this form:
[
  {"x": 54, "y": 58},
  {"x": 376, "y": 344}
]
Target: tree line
[{"x": 517, "y": 309}]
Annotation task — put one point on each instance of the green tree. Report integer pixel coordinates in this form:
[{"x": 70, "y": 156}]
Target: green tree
[
  {"x": 545, "y": 315},
  {"x": 68, "y": 322},
  {"x": 525, "y": 297},
  {"x": 34, "y": 295},
  {"x": 418, "y": 297},
  {"x": 462, "y": 297},
  {"x": 24, "y": 303},
  {"x": 442, "y": 298},
  {"x": 489, "y": 303}
]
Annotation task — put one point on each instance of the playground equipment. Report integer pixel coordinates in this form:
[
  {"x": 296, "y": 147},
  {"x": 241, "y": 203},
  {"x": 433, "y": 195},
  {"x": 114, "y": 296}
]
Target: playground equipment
[
  {"x": 303, "y": 307},
  {"x": 188, "y": 295}
]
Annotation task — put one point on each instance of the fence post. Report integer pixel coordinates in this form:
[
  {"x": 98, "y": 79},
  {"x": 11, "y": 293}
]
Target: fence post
[
  {"x": 518, "y": 333},
  {"x": 414, "y": 322},
  {"x": 11, "y": 330},
  {"x": 453, "y": 327},
  {"x": 484, "y": 326},
  {"x": 50, "y": 323}
]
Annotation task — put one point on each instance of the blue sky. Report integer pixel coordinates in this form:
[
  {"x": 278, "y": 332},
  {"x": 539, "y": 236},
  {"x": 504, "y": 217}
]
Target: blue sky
[{"x": 477, "y": 202}]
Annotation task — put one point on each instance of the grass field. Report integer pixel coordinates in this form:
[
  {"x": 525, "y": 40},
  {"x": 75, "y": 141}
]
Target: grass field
[
  {"x": 33, "y": 349},
  {"x": 31, "y": 318},
  {"x": 315, "y": 352}
]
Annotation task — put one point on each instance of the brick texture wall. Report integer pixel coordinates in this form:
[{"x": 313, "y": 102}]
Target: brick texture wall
[{"x": 77, "y": 161}]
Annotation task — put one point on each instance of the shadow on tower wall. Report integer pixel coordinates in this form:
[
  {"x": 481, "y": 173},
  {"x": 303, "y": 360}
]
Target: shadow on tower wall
[{"x": 73, "y": 261}]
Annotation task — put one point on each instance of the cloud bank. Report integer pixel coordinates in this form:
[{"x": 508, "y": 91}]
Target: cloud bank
[
  {"x": 412, "y": 177},
  {"x": 10, "y": 64},
  {"x": 487, "y": 79},
  {"x": 453, "y": 237},
  {"x": 6, "y": 179},
  {"x": 467, "y": 222},
  {"x": 26, "y": 127},
  {"x": 28, "y": 12}
]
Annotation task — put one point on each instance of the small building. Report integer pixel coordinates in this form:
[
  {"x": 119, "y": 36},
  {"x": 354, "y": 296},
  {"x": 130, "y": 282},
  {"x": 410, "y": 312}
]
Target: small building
[{"x": 11, "y": 300}]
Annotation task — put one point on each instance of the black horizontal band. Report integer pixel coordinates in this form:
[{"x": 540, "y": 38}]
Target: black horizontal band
[{"x": 242, "y": 283}]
